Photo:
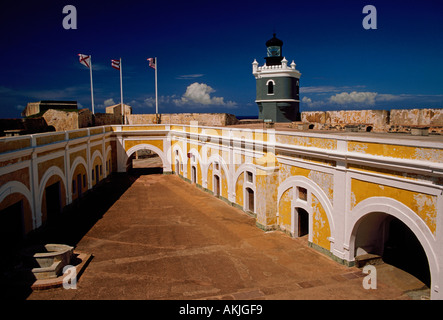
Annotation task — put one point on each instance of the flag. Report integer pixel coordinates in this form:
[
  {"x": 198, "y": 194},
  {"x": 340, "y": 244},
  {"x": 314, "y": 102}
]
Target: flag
[
  {"x": 115, "y": 64},
  {"x": 151, "y": 62},
  {"x": 85, "y": 60}
]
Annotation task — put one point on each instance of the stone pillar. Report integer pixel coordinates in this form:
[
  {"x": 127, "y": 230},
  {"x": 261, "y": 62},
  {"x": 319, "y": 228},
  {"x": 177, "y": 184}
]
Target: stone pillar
[{"x": 266, "y": 186}]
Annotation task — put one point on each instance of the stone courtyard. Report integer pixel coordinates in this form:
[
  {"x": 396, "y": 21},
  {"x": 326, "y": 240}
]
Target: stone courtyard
[{"x": 156, "y": 236}]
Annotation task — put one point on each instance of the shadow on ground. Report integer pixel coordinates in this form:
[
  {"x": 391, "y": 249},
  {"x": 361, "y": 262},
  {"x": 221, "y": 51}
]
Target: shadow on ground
[{"x": 69, "y": 228}]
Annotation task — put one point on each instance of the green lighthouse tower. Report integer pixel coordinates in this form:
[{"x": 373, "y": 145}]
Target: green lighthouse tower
[{"x": 277, "y": 85}]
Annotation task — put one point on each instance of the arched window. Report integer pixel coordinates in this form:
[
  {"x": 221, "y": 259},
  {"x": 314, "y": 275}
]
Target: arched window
[{"x": 270, "y": 85}]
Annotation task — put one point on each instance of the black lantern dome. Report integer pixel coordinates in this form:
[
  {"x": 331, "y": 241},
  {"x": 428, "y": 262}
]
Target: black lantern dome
[{"x": 274, "y": 51}]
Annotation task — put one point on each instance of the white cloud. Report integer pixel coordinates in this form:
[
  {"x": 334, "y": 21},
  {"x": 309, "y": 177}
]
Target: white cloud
[
  {"x": 200, "y": 93},
  {"x": 325, "y": 89},
  {"x": 109, "y": 102},
  {"x": 354, "y": 97},
  {"x": 306, "y": 100},
  {"x": 190, "y": 76},
  {"x": 150, "y": 102}
]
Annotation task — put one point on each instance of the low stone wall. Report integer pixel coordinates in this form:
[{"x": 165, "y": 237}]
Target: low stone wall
[
  {"x": 61, "y": 120},
  {"x": 11, "y": 127},
  {"x": 103, "y": 119},
  {"x": 403, "y": 120},
  {"x": 203, "y": 119},
  {"x": 396, "y": 120},
  {"x": 372, "y": 120}
]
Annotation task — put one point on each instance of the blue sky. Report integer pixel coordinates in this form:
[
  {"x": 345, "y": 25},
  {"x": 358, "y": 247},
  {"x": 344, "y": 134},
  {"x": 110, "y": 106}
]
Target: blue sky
[{"x": 205, "y": 51}]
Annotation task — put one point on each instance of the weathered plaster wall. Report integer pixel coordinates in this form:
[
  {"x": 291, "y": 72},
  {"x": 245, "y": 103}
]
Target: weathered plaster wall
[
  {"x": 377, "y": 119},
  {"x": 203, "y": 119},
  {"x": 395, "y": 120},
  {"x": 61, "y": 120},
  {"x": 402, "y": 120}
]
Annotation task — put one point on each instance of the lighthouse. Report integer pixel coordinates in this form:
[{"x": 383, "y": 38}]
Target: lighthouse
[{"x": 277, "y": 85}]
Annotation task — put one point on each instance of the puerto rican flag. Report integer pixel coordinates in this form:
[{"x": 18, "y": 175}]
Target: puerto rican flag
[
  {"x": 85, "y": 60},
  {"x": 115, "y": 64},
  {"x": 152, "y": 62}
]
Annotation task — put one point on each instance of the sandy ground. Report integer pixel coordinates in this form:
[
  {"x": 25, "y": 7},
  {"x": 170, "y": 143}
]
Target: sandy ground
[{"x": 158, "y": 237}]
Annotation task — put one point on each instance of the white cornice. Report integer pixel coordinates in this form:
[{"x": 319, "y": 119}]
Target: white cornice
[{"x": 281, "y": 70}]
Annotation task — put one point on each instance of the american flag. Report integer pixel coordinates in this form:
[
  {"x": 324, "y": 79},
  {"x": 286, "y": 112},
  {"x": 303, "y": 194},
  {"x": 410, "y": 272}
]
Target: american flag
[
  {"x": 85, "y": 60},
  {"x": 115, "y": 64},
  {"x": 152, "y": 62}
]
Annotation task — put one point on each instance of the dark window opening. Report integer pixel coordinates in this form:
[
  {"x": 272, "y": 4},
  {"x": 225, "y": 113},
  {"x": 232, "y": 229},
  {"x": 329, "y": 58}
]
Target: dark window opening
[
  {"x": 79, "y": 185},
  {"x": 303, "y": 222},
  {"x": 249, "y": 176},
  {"x": 302, "y": 194},
  {"x": 53, "y": 201},
  {"x": 216, "y": 186},
  {"x": 97, "y": 177},
  {"x": 193, "y": 175},
  {"x": 270, "y": 87},
  {"x": 250, "y": 199}
]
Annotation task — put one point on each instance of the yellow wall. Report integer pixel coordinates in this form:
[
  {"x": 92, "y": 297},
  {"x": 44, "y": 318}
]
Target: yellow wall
[
  {"x": 131, "y": 143},
  {"x": 320, "y": 225},
  {"x": 132, "y": 128},
  {"x": 27, "y": 212},
  {"x": 97, "y": 162},
  {"x": 322, "y": 143},
  {"x": 224, "y": 184},
  {"x": 53, "y": 179},
  {"x": 285, "y": 210},
  {"x": 397, "y": 151},
  {"x": 45, "y": 165},
  {"x": 424, "y": 205},
  {"x": 324, "y": 180},
  {"x": 210, "y": 177},
  {"x": 79, "y": 170},
  {"x": 21, "y": 175},
  {"x": 239, "y": 189}
]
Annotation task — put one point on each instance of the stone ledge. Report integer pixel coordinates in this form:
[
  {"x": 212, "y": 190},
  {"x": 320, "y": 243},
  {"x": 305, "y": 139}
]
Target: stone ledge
[
  {"x": 45, "y": 284},
  {"x": 368, "y": 258}
]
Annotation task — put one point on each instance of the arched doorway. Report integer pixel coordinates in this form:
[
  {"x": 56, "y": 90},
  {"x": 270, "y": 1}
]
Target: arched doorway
[
  {"x": 250, "y": 200},
  {"x": 216, "y": 186},
  {"x": 144, "y": 161},
  {"x": 383, "y": 235},
  {"x": 403, "y": 250},
  {"x": 303, "y": 222},
  {"x": 193, "y": 174}
]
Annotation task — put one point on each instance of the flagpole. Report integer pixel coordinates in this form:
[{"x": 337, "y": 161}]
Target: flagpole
[
  {"x": 92, "y": 88},
  {"x": 121, "y": 93},
  {"x": 156, "y": 97}
]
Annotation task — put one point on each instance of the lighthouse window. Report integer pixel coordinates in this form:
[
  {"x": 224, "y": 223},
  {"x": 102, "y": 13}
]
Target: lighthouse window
[{"x": 270, "y": 85}]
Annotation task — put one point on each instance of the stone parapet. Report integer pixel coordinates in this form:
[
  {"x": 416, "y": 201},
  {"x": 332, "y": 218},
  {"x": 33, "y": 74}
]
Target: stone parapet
[
  {"x": 203, "y": 119},
  {"x": 395, "y": 120}
]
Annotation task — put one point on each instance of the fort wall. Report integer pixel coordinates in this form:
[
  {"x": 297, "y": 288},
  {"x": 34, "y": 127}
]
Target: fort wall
[
  {"x": 395, "y": 120},
  {"x": 204, "y": 119},
  {"x": 342, "y": 181}
]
